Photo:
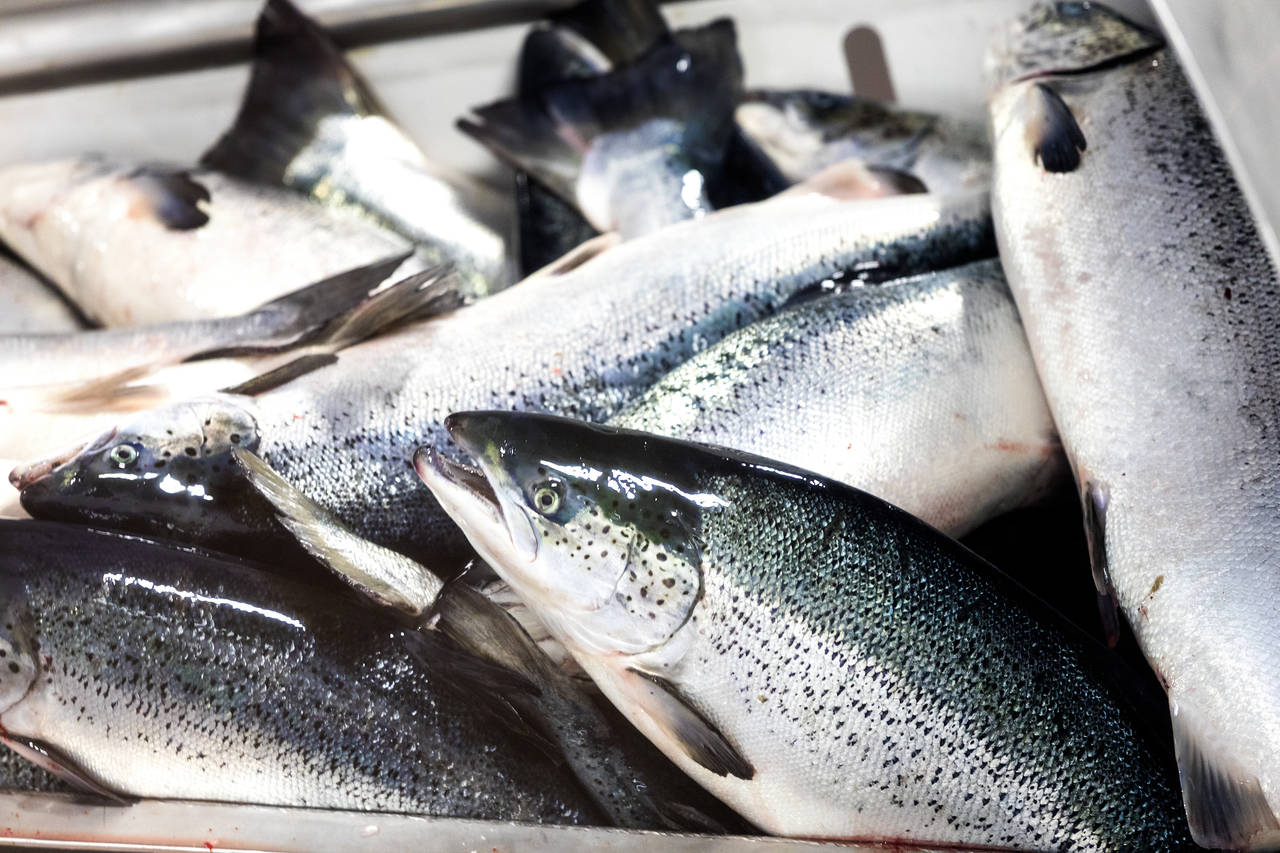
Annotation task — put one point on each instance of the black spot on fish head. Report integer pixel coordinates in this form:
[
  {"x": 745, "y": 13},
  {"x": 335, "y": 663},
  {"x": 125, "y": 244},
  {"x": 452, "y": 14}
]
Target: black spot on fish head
[
  {"x": 168, "y": 473},
  {"x": 597, "y": 527}
]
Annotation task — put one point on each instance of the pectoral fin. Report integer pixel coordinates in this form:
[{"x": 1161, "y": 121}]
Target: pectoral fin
[
  {"x": 52, "y": 759},
  {"x": 1226, "y": 807},
  {"x": 687, "y": 727},
  {"x": 282, "y": 375},
  {"x": 1053, "y": 134},
  {"x": 1094, "y": 496},
  {"x": 389, "y": 578}
]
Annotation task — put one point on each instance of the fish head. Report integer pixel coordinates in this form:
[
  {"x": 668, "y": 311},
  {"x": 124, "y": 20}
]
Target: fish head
[
  {"x": 1064, "y": 37},
  {"x": 581, "y": 523},
  {"x": 19, "y": 664},
  {"x": 169, "y": 470}
]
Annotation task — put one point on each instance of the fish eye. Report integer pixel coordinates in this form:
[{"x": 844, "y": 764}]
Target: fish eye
[
  {"x": 123, "y": 454},
  {"x": 1073, "y": 9},
  {"x": 548, "y": 495}
]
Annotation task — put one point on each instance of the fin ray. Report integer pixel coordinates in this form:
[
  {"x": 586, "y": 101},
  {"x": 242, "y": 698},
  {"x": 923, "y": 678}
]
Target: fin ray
[
  {"x": 1226, "y": 808},
  {"x": 693, "y": 732}
]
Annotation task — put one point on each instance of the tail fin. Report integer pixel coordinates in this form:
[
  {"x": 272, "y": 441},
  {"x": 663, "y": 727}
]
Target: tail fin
[
  {"x": 299, "y": 76},
  {"x": 622, "y": 30},
  {"x": 551, "y": 54},
  {"x": 424, "y": 294},
  {"x": 345, "y": 309},
  {"x": 693, "y": 79}
]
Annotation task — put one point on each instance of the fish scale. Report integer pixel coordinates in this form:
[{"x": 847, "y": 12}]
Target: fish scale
[
  {"x": 922, "y": 393},
  {"x": 167, "y": 673},
  {"x": 1152, "y": 310},
  {"x": 583, "y": 342},
  {"x": 601, "y": 352},
  {"x": 846, "y": 672}
]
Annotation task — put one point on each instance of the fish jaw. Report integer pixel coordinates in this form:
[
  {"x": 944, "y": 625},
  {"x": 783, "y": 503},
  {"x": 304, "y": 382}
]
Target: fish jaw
[
  {"x": 29, "y": 474},
  {"x": 470, "y": 500}
]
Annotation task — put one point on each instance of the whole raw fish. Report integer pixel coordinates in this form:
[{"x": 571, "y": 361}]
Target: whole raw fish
[
  {"x": 823, "y": 662},
  {"x": 1151, "y": 307}
]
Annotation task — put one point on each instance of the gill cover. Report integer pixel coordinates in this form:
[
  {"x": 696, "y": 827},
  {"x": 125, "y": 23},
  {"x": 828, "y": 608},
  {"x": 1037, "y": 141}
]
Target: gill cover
[{"x": 616, "y": 551}]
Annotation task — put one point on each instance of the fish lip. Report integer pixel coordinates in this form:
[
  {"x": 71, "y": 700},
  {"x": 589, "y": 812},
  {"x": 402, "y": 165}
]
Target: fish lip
[
  {"x": 26, "y": 475},
  {"x": 434, "y": 467}
]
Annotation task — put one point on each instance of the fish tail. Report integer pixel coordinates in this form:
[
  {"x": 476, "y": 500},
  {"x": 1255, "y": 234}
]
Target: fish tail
[
  {"x": 694, "y": 78},
  {"x": 622, "y": 30},
  {"x": 299, "y": 77},
  {"x": 343, "y": 310}
]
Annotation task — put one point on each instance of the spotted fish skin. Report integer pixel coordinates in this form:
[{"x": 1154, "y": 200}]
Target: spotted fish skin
[
  {"x": 1151, "y": 308},
  {"x": 167, "y": 673},
  {"x": 826, "y": 664},
  {"x": 922, "y": 393},
  {"x": 582, "y": 343}
]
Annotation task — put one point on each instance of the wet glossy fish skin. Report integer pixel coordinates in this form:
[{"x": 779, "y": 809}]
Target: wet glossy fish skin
[
  {"x": 583, "y": 343},
  {"x": 922, "y": 392},
  {"x": 29, "y": 304},
  {"x": 168, "y": 673},
  {"x": 733, "y": 603},
  {"x": 805, "y": 131},
  {"x": 98, "y": 230},
  {"x": 1150, "y": 306}
]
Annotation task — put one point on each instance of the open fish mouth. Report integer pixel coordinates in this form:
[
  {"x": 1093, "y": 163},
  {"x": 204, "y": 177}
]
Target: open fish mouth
[
  {"x": 33, "y": 472},
  {"x": 446, "y": 476}
]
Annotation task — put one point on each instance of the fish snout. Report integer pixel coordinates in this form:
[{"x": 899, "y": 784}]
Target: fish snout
[{"x": 26, "y": 475}]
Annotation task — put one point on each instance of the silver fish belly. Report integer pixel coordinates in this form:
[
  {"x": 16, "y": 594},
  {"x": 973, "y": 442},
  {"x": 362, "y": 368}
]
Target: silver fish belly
[
  {"x": 922, "y": 393},
  {"x": 132, "y": 245},
  {"x": 28, "y": 304}
]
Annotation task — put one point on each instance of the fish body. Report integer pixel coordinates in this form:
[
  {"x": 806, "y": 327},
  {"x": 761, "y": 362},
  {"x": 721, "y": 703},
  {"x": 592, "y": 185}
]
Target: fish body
[
  {"x": 921, "y": 392},
  {"x": 584, "y": 342},
  {"x": 160, "y": 672},
  {"x": 29, "y": 304},
  {"x": 132, "y": 245},
  {"x": 42, "y": 358},
  {"x": 1150, "y": 305},
  {"x": 310, "y": 123},
  {"x": 826, "y": 664},
  {"x": 805, "y": 131}
]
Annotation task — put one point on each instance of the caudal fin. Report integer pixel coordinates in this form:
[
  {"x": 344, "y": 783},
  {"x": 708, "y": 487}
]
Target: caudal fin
[
  {"x": 343, "y": 310},
  {"x": 693, "y": 79},
  {"x": 622, "y": 30},
  {"x": 299, "y": 77},
  {"x": 1226, "y": 806}
]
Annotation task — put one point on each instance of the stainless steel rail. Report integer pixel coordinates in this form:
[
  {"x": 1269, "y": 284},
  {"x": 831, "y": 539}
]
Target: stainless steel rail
[{"x": 56, "y": 822}]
